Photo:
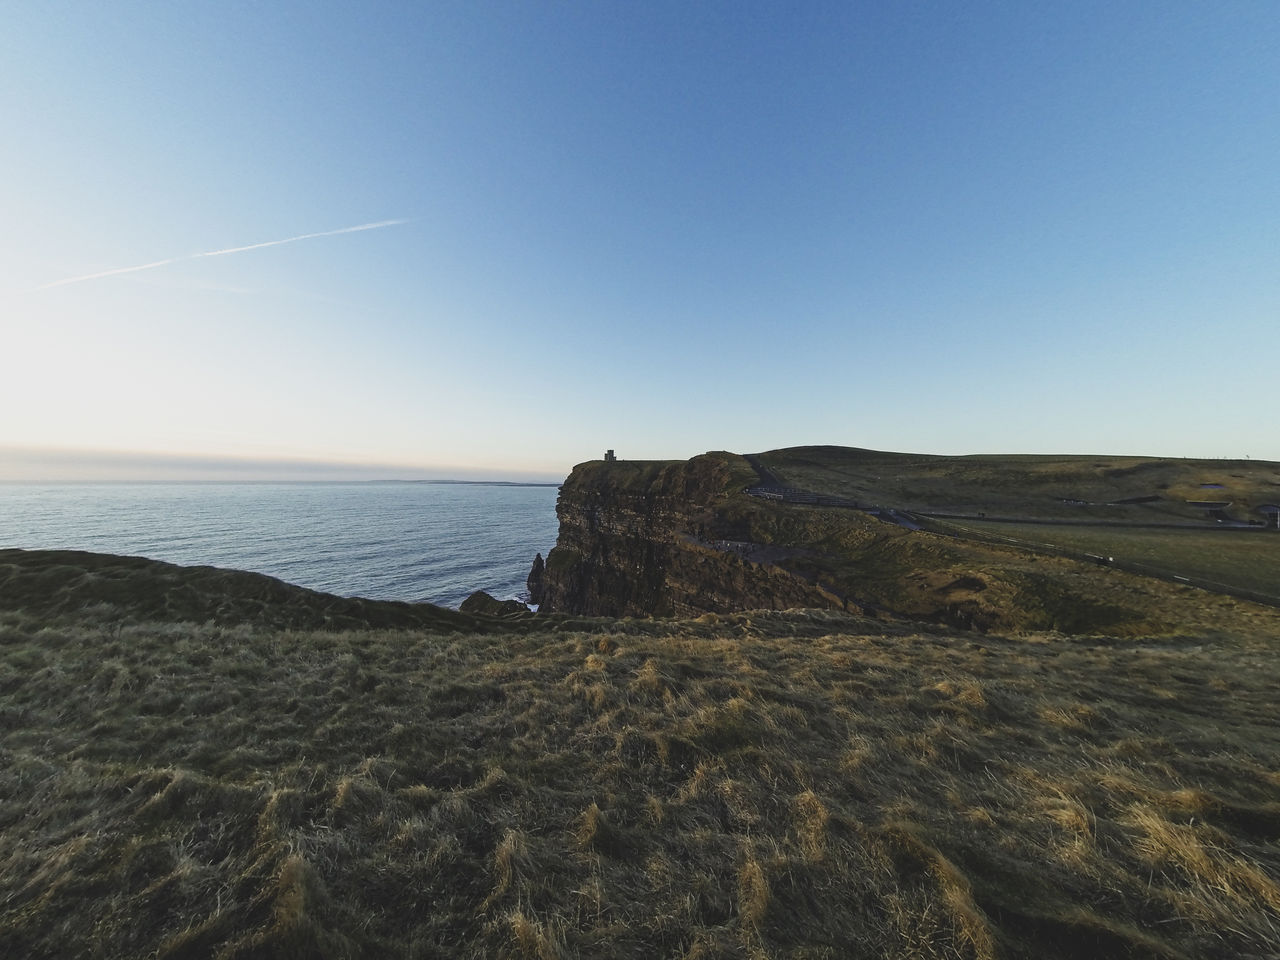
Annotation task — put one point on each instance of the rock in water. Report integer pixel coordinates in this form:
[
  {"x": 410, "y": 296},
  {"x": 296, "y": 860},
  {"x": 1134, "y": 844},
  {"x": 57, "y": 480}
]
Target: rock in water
[{"x": 536, "y": 581}]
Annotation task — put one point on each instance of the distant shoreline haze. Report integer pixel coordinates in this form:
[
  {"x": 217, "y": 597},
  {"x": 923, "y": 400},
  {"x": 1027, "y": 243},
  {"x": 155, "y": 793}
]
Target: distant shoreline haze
[
  {"x": 412, "y": 542},
  {"x": 36, "y": 466}
]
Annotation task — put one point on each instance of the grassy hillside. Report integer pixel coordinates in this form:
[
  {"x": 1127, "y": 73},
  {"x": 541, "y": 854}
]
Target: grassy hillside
[
  {"x": 1003, "y": 587},
  {"x": 52, "y": 582},
  {"x": 1072, "y": 503},
  {"x": 1033, "y": 486},
  {"x": 764, "y": 785},
  {"x": 1246, "y": 560}
]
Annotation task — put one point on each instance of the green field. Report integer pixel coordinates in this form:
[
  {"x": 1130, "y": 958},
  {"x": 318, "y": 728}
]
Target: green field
[
  {"x": 1081, "y": 497},
  {"x": 1240, "y": 559},
  {"x": 1035, "y": 487}
]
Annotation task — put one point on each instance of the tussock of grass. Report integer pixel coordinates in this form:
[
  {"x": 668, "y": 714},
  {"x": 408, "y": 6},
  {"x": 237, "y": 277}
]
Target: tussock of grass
[{"x": 799, "y": 784}]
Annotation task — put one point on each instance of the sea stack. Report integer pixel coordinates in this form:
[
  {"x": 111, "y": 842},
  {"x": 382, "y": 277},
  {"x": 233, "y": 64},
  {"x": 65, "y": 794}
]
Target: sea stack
[{"x": 535, "y": 583}]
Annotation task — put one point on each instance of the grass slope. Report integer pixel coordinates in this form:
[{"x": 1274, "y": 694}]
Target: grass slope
[
  {"x": 1033, "y": 486},
  {"x": 766, "y": 785},
  {"x": 53, "y": 582},
  {"x": 994, "y": 586},
  {"x": 1247, "y": 560},
  {"x": 1034, "y": 492}
]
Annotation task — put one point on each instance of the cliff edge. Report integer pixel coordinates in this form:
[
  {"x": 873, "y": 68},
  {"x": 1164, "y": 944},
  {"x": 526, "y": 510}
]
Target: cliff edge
[
  {"x": 684, "y": 538},
  {"x": 661, "y": 538}
]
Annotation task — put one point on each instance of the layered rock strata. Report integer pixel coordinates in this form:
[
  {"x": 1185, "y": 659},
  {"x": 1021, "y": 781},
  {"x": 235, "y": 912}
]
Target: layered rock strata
[{"x": 651, "y": 539}]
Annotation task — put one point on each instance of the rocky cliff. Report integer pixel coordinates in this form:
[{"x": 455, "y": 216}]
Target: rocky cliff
[
  {"x": 658, "y": 538},
  {"x": 683, "y": 538}
]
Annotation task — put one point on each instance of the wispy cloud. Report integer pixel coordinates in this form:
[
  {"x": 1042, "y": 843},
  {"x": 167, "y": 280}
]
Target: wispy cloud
[{"x": 219, "y": 253}]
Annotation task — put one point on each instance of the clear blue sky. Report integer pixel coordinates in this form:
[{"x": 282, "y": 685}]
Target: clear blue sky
[{"x": 658, "y": 227}]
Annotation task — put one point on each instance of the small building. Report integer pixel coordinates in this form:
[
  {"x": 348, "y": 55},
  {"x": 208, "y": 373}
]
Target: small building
[
  {"x": 1270, "y": 515},
  {"x": 609, "y": 457}
]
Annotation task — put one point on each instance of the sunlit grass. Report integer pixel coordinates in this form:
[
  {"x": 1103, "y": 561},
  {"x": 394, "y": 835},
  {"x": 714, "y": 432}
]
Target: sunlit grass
[{"x": 786, "y": 784}]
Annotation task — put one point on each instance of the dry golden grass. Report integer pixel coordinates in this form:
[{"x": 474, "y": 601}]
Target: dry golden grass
[{"x": 794, "y": 785}]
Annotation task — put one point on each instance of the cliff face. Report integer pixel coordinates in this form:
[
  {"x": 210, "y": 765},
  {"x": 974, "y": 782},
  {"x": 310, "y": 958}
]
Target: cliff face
[
  {"x": 682, "y": 538},
  {"x": 648, "y": 539}
]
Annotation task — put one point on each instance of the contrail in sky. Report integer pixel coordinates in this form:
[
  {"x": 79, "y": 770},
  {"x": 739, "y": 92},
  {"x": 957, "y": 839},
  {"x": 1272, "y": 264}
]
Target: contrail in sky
[{"x": 219, "y": 253}]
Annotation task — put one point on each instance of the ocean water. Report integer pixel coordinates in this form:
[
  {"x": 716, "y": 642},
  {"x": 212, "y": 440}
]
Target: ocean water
[{"x": 388, "y": 541}]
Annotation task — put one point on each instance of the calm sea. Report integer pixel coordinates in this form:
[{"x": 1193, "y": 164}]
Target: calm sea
[{"x": 387, "y": 541}]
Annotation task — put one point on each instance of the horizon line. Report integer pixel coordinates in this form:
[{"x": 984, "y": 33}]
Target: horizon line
[{"x": 28, "y": 464}]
